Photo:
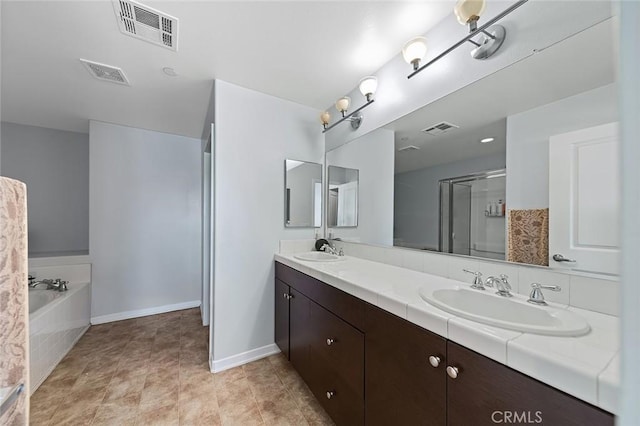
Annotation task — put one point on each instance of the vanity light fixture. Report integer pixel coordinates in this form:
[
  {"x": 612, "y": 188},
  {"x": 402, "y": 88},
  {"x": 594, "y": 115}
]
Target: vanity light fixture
[
  {"x": 468, "y": 13},
  {"x": 414, "y": 51},
  {"x": 487, "y": 140},
  {"x": 325, "y": 117},
  {"x": 368, "y": 86}
]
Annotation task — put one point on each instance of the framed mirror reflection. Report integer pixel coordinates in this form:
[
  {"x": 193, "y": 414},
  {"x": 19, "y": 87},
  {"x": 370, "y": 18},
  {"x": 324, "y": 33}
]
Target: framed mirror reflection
[{"x": 303, "y": 194}]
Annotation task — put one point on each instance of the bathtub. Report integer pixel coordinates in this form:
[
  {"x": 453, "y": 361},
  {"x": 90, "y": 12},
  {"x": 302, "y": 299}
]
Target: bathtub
[{"x": 56, "y": 321}]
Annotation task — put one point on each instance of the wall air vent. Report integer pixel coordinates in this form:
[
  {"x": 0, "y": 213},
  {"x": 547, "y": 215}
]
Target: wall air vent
[
  {"x": 105, "y": 72},
  {"x": 440, "y": 128},
  {"x": 408, "y": 148},
  {"x": 148, "y": 24}
]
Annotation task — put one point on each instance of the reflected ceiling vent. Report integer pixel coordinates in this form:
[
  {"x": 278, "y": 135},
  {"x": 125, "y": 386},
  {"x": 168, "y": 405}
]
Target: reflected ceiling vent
[
  {"x": 106, "y": 72},
  {"x": 408, "y": 148},
  {"x": 440, "y": 128},
  {"x": 148, "y": 24}
]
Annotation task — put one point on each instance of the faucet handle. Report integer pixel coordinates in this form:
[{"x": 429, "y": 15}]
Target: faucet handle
[
  {"x": 477, "y": 281},
  {"x": 536, "y": 297},
  {"x": 505, "y": 280}
]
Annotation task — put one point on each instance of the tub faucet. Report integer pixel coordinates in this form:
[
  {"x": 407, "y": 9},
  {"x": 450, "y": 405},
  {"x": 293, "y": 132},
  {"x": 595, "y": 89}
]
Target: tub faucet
[
  {"x": 57, "y": 284},
  {"x": 501, "y": 284}
]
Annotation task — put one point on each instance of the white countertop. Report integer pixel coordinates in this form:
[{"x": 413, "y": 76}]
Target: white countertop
[{"x": 586, "y": 367}]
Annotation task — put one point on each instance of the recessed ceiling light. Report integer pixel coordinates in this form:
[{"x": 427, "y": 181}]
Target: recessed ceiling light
[
  {"x": 169, "y": 71},
  {"x": 487, "y": 140}
]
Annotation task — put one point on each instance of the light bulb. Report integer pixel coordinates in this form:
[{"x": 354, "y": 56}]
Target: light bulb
[
  {"x": 342, "y": 104},
  {"x": 325, "y": 117},
  {"x": 368, "y": 86},
  {"x": 414, "y": 51},
  {"x": 469, "y": 10}
]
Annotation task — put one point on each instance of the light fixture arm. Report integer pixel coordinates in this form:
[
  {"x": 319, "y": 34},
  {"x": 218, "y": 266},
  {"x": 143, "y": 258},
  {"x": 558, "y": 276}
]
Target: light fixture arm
[
  {"x": 353, "y": 117},
  {"x": 472, "y": 33}
]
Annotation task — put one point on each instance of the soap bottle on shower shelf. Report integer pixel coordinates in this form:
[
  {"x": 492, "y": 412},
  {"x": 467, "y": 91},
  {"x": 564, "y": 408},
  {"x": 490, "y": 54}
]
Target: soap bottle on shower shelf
[
  {"x": 504, "y": 208},
  {"x": 500, "y": 209}
]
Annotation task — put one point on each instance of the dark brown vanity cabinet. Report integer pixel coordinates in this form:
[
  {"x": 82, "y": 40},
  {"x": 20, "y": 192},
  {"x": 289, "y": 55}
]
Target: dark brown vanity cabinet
[
  {"x": 405, "y": 380},
  {"x": 325, "y": 349},
  {"x": 282, "y": 297},
  {"x": 368, "y": 366},
  {"x": 485, "y": 392}
]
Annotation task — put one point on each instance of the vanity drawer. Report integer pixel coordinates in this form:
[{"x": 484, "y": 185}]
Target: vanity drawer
[
  {"x": 346, "y": 306},
  {"x": 342, "y": 402},
  {"x": 338, "y": 346}
]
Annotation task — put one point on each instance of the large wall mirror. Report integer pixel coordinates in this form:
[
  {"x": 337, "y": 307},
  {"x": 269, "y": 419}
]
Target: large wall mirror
[
  {"x": 471, "y": 171},
  {"x": 303, "y": 194},
  {"x": 342, "y": 197}
]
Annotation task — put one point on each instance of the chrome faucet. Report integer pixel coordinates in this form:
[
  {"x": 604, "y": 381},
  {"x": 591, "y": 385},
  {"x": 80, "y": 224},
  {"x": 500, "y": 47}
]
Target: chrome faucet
[
  {"x": 536, "y": 297},
  {"x": 329, "y": 249},
  {"x": 501, "y": 284},
  {"x": 57, "y": 284},
  {"x": 477, "y": 281}
]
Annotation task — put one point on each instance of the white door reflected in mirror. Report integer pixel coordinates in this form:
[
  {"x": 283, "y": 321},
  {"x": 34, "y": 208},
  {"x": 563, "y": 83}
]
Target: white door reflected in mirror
[
  {"x": 584, "y": 200},
  {"x": 342, "y": 197}
]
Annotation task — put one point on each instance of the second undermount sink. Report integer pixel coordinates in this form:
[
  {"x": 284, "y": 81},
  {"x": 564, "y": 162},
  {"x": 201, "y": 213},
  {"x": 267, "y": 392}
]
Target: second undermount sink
[
  {"x": 318, "y": 256},
  {"x": 510, "y": 313}
]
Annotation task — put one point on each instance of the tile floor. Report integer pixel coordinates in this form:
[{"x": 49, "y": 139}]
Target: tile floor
[{"x": 154, "y": 371}]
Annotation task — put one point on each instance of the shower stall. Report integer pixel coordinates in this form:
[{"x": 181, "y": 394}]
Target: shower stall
[{"x": 472, "y": 214}]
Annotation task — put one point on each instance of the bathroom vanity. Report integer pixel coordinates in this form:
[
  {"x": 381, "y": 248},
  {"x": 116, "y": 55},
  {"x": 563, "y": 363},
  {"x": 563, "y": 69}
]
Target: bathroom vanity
[{"x": 367, "y": 365}]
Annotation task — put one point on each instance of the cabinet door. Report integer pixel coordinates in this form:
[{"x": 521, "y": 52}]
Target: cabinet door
[
  {"x": 282, "y": 317},
  {"x": 298, "y": 332},
  {"x": 401, "y": 386},
  {"x": 336, "y": 361},
  {"x": 486, "y": 393}
]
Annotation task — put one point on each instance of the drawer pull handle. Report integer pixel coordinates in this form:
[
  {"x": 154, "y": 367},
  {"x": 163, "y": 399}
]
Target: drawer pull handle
[
  {"x": 452, "y": 372},
  {"x": 434, "y": 361},
  {"x": 330, "y": 394},
  {"x": 330, "y": 342}
]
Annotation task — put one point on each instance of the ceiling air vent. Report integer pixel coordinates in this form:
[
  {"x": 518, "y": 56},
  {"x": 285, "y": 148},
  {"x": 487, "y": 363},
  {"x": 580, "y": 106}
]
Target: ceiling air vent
[
  {"x": 408, "y": 148},
  {"x": 148, "y": 24},
  {"x": 440, "y": 128},
  {"x": 106, "y": 72}
]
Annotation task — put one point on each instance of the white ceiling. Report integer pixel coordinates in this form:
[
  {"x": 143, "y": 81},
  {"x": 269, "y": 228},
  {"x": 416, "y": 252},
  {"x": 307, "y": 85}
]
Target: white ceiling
[
  {"x": 577, "y": 64},
  {"x": 310, "y": 52}
]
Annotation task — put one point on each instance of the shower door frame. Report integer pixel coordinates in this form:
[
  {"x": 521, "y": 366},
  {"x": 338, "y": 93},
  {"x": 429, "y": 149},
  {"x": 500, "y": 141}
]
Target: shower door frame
[{"x": 456, "y": 180}]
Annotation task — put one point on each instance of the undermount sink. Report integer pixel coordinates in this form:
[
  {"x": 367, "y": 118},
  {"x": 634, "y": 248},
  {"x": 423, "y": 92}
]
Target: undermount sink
[
  {"x": 318, "y": 256},
  {"x": 509, "y": 313}
]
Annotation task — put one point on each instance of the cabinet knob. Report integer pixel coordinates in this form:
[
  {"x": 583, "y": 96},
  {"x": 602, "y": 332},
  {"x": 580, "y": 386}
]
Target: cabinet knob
[
  {"x": 452, "y": 372},
  {"x": 330, "y": 394},
  {"x": 330, "y": 342},
  {"x": 288, "y": 296},
  {"x": 434, "y": 361}
]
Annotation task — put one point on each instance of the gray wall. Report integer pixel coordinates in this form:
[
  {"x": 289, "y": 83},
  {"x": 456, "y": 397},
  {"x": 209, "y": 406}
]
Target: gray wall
[
  {"x": 55, "y": 166},
  {"x": 145, "y": 221},
  {"x": 416, "y": 202}
]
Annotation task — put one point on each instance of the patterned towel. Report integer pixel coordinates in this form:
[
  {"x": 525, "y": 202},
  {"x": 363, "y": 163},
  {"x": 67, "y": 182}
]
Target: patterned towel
[{"x": 529, "y": 236}]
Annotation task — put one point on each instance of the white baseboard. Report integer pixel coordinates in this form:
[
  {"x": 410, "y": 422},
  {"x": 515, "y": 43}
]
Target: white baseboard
[
  {"x": 119, "y": 316},
  {"x": 243, "y": 358}
]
